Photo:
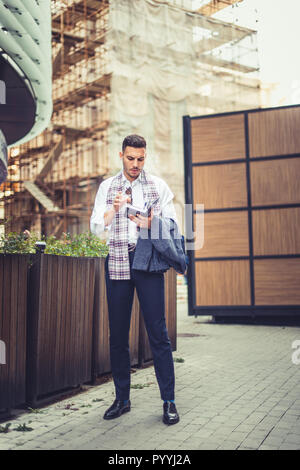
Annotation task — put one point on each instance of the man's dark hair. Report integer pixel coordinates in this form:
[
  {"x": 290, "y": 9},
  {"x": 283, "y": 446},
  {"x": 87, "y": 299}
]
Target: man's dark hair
[{"x": 135, "y": 141}]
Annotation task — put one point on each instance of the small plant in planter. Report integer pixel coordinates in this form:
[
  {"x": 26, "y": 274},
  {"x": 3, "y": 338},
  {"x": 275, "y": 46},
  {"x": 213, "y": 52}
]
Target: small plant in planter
[
  {"x": 83, "y": 245},
  {"x": 13, "y": 243}
]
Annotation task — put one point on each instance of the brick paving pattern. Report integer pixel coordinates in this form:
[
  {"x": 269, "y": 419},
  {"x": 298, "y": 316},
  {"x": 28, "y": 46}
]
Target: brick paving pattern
[{"x": 236, "y": 389}]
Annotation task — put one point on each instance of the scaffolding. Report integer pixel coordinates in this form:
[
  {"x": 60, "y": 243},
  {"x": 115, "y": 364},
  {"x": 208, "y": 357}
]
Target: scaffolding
[{"x": 121, "y": 67}]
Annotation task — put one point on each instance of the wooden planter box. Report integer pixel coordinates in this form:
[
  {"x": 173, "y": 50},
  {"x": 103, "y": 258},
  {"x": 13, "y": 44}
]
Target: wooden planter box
[
  {"x": 54, "y": 323},
  {"x": 13, "y": 298},
  {"x": 101, "y": 354},
  {"x": 60, "y": 323},
  {"x": 145, "y": 353}
]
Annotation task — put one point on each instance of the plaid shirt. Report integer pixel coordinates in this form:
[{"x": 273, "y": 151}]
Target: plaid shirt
[{"x": 118, "y": 261}]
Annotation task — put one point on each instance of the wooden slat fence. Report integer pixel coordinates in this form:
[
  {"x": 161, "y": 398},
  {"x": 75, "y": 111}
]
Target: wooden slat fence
[
  {"x": 54, "y": 323},
  {"x": 60, "y": 324},
  {"x": 13, "y": 298}
]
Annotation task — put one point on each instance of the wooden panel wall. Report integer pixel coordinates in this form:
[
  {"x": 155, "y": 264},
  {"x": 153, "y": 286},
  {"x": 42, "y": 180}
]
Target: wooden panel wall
[
  {"x": 218, "y": 138},
  {"x": 277, "y": 281},
  {"x": 222, "y": 282},
  {"x": 225, "y": 234},
  {"x": 276, "y": 231},
  {"x": 275, "y": 181},
  {"x": 274, "y": 132},
  {"x": 251, "y": 250},
  {"x": 220, "y": 186}
]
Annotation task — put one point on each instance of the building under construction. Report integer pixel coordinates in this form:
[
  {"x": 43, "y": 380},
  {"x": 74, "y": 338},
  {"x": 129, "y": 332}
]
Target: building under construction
[{"x": 122, "y": 67}]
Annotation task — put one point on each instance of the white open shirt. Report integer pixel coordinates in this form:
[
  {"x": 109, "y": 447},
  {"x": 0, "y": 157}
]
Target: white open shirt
[{"x": 166, "y": 203}]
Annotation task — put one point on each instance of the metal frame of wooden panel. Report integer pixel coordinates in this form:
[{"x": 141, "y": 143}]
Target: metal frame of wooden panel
[{"x": 242, "y": 310}]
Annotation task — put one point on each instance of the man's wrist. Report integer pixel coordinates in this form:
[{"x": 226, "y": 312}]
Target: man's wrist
[
  {"x": 112, "y": 210},
  {"x": 108, "y": 216}
]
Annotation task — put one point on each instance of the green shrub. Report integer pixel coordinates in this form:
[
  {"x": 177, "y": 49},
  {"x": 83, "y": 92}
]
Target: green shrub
[
  {"x": 83, "y": 245},
  {"x": 18, "y": 243}
]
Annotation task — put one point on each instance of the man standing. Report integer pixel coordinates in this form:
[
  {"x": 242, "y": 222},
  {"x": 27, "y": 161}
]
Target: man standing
[{"x": 133, "y": 184}]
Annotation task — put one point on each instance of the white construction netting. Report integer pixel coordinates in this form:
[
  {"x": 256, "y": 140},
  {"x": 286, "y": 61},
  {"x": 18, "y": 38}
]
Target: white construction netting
[{"x": 167, "y": 62}]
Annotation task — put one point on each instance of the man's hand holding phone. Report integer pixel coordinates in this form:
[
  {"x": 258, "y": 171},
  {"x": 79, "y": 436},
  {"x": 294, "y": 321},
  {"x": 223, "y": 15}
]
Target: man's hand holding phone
[{"x": 142, "y": 221}]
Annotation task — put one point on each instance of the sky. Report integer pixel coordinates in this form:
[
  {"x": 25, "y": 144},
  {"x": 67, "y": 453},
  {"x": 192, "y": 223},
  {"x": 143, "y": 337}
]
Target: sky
[{"x": 277, "y": 23}]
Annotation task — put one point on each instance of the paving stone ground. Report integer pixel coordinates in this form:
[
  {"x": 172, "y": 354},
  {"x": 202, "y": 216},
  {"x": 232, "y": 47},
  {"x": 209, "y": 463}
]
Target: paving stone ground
[{"x": 237, "y": 388}]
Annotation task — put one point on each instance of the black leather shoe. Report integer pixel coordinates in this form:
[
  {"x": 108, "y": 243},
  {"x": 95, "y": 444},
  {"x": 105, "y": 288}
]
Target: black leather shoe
[
  {"x": 170, "y": 413},
  {"x": 117, "y": 409}
]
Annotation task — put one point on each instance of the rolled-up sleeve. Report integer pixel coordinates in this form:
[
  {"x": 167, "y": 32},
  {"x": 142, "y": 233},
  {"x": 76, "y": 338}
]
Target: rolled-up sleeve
[{"x": 97, "y": 224}]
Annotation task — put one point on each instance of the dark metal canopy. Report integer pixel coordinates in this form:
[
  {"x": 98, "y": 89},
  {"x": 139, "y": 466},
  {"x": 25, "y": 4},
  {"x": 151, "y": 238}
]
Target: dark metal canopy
[{"x": 17, "y": 115}]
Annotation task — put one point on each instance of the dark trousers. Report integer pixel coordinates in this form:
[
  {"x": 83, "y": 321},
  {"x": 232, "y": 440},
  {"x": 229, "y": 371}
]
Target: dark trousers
[{"x": 150, "y": 291}]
